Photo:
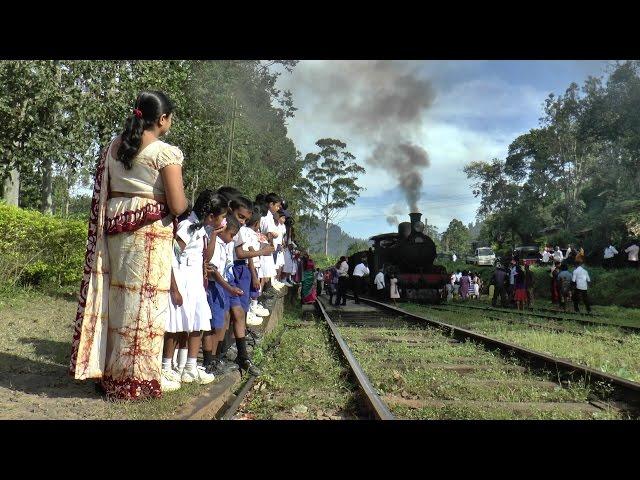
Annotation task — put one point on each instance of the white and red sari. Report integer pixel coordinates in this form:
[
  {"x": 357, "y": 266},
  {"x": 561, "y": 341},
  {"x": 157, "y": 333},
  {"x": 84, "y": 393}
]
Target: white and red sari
[{"x": 123, "y": 302}]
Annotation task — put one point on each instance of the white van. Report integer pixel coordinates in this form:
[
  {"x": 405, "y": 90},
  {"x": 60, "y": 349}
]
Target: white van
[{"x": 483, "y": 256}]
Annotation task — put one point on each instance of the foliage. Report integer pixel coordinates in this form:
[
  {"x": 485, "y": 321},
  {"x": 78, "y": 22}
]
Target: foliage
[
  {"x": 575, "y": 178},
  {"x": 40, "y": 250},
  {"x": 329, "y": 182},
  {"x": 357, "y": 246},
  {"x": 456, "y": 238}
]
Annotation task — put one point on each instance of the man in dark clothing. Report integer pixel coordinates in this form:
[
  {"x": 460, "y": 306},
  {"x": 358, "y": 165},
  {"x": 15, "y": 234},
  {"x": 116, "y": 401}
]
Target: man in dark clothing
[{"x": 499, "y": 279}]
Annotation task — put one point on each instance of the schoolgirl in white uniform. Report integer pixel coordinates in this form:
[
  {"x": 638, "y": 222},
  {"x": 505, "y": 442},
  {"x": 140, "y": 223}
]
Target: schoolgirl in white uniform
[{"x": 193, "y": 315}]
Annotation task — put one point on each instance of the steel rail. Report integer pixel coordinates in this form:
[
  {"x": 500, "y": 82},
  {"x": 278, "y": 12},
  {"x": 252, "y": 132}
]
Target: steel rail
[
  {"x": 552, "y": 328},
  {"x": 625, "y": 390},
  {"x": 375, "y": 403},
  {"x": 625, "y": 328}
]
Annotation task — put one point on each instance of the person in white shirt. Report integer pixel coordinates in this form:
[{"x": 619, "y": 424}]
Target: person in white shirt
[
  {"x": 581, "y": 278},
  {"x": 343, "y": 274},
  {"x": 609, "y": 253},
  {"x": 319, "y": 280},
  {"x": 557, "y": 255},
  {"x": 379, "y": 281},
  {"x": 359, "y": 284},
  {"x": 454, "y": 257},
  {"x": 632, "y": 259},
  {"x": 545, "y": 256}
]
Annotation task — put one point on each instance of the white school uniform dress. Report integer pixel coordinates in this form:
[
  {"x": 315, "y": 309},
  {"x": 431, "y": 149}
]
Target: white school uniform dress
[
  {"x": 282, "y": 228},
  {"x": 253, "y": 242},
  {"x": 268, "y": 266},
  {"x": 194, "y": 314},
  {"x": 176, "y": 322}
]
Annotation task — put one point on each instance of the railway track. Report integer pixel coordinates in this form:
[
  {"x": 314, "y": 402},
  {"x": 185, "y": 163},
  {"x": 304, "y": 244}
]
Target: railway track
[
  {"x": 553, "y": 328},
  {"x": 558, "y": 317},
  {"x": 624, "y": 395}
]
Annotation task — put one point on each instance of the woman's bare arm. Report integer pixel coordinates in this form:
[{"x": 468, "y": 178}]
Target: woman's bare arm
[{"x": 174, "y": 188}]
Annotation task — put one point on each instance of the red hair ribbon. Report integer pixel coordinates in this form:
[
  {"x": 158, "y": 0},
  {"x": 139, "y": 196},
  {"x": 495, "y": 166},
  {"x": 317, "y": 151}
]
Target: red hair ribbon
[{"x": 137, "y": 113}]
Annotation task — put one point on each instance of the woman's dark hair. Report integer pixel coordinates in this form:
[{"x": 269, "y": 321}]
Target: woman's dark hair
[
  {"x": 240, "y": 201},
  {"x": 233, "y": 224},
  {"x": 207, "y": 203},
  {"x": 255, "y": 217},
  {"x": 261, "y": 203},
  {"x": 152, "y": 105},
  {"x": 273, "y": 198},
  {"x": 229, "y": 192}
]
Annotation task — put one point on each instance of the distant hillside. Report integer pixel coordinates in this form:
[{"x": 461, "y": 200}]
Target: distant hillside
[{"x": 338, "y": 240}]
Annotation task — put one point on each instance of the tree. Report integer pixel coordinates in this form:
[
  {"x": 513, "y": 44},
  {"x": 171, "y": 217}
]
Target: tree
[
  {"x": 357, "y": 246},
  {"x": 456, "y": 237},
  {"x": 330, "y": 181}
]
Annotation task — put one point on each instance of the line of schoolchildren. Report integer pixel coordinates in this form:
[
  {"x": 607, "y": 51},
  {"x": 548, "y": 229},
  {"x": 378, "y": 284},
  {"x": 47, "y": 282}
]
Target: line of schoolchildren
[{"x": 228, "y": 255}]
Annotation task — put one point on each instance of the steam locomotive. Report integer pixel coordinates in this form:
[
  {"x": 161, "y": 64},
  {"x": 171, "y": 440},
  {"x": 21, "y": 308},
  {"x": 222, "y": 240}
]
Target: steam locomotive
[{"x": 409, "y": 254}]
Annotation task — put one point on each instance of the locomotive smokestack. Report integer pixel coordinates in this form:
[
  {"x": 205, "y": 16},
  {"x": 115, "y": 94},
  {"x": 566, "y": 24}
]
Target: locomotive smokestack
[{"x": 415, "y": 218}]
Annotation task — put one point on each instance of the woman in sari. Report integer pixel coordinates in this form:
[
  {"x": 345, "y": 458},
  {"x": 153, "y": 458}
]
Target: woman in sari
[
  {"x": 308, "y": 281},
  {"x": 123, "y": 302}
]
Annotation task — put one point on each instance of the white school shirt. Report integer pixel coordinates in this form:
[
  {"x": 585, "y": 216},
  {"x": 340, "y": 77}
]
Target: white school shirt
[
  {"x": 379, "y": 280},
  {"x": 282, "y": 228},
  {"x": 219, "y": 258},
  {"x": 243, "y": 236},
  {"x": 545, "y": 256},
  {"x": 252, "y": 241},
  {"x": 610, "y": 251},
  {"x": 567, "y": 253},
  {"x": 581, "y": 277},
  {"x": 194, "y": 242},
  {"x": 557, "y": 256},
  {"x": 633, "y": 252},
  {"x": 343, "y": 270},
  {"x": 268, "y": 225},
  {"x": 360, "y": 270}
]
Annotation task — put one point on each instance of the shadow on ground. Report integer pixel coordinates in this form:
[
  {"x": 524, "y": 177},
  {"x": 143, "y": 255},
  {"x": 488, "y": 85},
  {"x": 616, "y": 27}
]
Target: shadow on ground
[{"x": 47, "y": 377}]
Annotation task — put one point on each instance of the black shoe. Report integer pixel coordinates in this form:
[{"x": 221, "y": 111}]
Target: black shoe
[
  {"x": 220, "y": 367},
  {"x": 231, "y": 353},
  {"x": 248, "y": 366}
]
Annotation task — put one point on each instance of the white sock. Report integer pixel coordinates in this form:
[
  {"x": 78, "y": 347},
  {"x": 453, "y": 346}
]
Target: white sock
[
  {"x": 191, "y": 364},
  {"x": 182, "y": 357},
  {"x": 175, "y": 357},
  {"x": 166, "y": 363}
]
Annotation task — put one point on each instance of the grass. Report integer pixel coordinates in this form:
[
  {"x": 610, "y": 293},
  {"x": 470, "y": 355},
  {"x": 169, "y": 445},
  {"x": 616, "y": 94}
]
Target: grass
[
  {"x": 608, "y": 356},
  {"x": 302, "y": 379},
  {"x": 407, "y": 372},
  {"x": 35, "y": 347}
]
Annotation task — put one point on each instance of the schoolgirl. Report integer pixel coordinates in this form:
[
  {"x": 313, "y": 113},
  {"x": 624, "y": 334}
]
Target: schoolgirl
[
  {"x": 269, "y": 205},
  {"x": 193, "y": 315},
  {"x": 253, "y": 244},
  {"x": 242, "y": 208},
  {"x": 218, "y": 291},
  {"x": 282, "y": 229}
]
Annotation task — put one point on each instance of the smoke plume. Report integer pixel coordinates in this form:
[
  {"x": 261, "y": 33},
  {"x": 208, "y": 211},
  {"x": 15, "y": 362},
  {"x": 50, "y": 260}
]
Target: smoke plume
[{"x": 385, "y": 103}]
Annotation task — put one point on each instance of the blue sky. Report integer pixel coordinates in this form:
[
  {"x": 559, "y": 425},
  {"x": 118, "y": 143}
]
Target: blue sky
[{"x": 478, "y": 109}]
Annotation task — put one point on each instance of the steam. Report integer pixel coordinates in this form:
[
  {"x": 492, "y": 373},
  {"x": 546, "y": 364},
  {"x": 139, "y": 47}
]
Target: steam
[
  {"x": 384, "y": 102},
  {"x": 392, "y": 220}
]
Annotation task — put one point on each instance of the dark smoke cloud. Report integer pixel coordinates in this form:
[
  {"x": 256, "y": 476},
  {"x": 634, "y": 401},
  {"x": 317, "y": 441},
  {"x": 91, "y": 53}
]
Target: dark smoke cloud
[
  {"x": 406, "y": 161},
  {"x": 385, "y": 102},
  {"x": 392, "y": 220}
]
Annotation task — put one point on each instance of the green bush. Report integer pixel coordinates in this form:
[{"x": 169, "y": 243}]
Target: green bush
[{"x": 40, "y": 250}]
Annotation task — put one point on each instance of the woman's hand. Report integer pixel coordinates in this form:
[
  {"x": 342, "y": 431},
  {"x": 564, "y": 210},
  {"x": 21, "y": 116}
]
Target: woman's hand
[
  {"x": 176, "y": 297},
  {"x": 255, "y": 283},
  {"x": 209, "y": 269},
  {"x": 236, "y": 291}
]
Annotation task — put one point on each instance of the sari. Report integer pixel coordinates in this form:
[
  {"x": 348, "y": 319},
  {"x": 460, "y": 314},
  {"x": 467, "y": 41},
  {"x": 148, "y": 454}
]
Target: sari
[
  {"x": 124, "y": 293},
  {"x": 309, "y": 293}
]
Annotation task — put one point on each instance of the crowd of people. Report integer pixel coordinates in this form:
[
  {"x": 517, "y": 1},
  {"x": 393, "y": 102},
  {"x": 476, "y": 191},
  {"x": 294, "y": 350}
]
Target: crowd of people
[
  {"x": 464, "y": 285},
  {"x": 164, "y": 282}
]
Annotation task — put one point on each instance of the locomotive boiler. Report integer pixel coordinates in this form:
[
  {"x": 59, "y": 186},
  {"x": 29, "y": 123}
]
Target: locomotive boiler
[{"x": 409, "y": 254}]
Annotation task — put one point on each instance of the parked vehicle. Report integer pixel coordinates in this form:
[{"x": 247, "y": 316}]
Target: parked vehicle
[
  {"x": 482, "y": 256},
  {"x": 528, "y": 255}
]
